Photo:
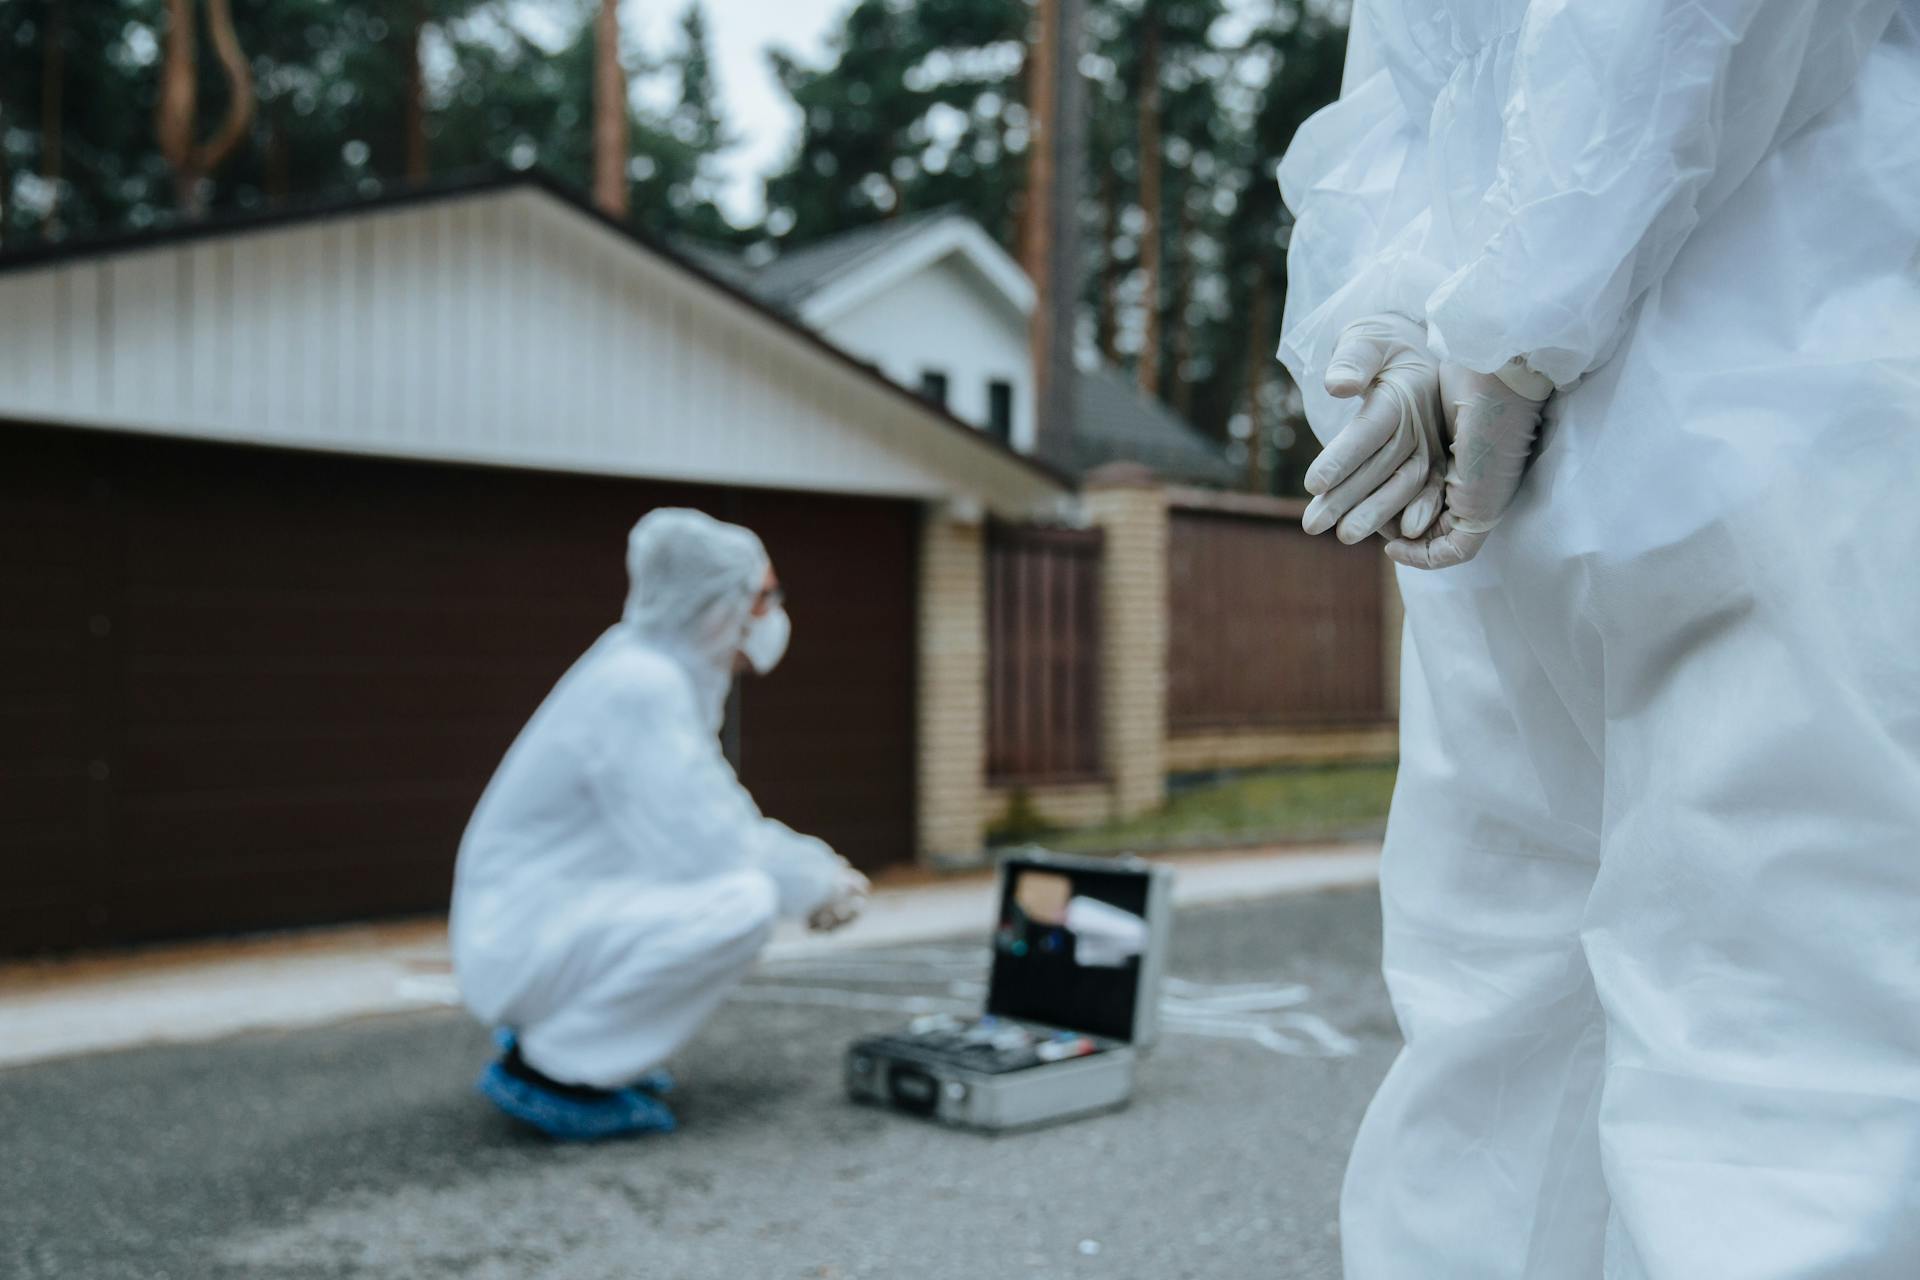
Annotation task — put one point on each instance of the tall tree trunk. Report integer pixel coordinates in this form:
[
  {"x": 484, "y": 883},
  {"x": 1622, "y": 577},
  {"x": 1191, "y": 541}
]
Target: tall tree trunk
[
  {"x": 1259, "y": 361},
  {"x": 1180, "y": 384},
  {"x": 1150, "y": 160},
  {"x": 192, "y": 162},
  {"x": 1040, "y": 117},
  {"x": 609, "y": 115},
  {"x": 178, "y": 94},
  {"x": 240, "y": 100},
  {"x": 415, "y": 123},
  {"x": 1106, "y": 325},
  {"x": 53, "y": 86}
]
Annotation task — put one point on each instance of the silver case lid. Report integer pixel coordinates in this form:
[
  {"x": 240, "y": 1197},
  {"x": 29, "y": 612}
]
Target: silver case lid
[{"x": 1159, "y": 917}]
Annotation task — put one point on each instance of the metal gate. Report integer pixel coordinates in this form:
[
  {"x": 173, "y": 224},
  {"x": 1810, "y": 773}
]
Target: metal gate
[
  {"x": 1043, "y": 628},
  {"x": 1271, "y": 627}
]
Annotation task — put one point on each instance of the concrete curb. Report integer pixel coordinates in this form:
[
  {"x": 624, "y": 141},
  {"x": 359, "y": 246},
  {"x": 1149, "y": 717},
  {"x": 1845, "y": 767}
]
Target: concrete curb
[{"x": 207, "y": 991}]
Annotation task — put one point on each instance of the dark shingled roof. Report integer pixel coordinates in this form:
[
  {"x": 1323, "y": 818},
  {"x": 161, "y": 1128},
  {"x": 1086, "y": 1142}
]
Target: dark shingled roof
[
  {"x": 722, "y": 264},
  {"x": 791, "y": 277},
  {"x": 1114, "y": 422}
]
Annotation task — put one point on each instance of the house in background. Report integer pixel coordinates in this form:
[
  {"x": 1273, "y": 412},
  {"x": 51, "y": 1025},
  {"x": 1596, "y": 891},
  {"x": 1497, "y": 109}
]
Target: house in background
[
  {"x": 301, "y": 513},
  {"x": 940, "y": 307},
  {"x": 1170, "y": 627}
]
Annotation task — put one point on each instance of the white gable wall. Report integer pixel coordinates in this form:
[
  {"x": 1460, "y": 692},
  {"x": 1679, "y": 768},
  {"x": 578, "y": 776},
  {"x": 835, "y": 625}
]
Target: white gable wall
[
  {"x": 944, "y": 317},
  {"x": 502, "y": 327}
]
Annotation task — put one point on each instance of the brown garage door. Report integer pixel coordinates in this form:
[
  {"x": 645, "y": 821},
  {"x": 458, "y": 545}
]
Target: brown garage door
[
  {"x": 826, "y": 744},
  {"x": 247, "y": 688}
]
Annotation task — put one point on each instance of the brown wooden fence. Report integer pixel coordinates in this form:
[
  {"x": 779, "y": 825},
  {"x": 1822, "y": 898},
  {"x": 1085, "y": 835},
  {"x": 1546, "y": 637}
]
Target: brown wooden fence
[
  {"x": 1043, "y": 628},
  {"x": 1270, "y": 627}
]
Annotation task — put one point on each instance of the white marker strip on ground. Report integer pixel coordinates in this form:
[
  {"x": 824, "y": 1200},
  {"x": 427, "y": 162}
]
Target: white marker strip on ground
[{"x": 1265, "y": 1015}]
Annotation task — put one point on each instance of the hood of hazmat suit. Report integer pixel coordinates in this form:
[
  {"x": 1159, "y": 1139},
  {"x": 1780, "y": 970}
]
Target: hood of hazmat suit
[
  {"x": 615, "y": 877},
  {"x": 1650, "y": 879}
]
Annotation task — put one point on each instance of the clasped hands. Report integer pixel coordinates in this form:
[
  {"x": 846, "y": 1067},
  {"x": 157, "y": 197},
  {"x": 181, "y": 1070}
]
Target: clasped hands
[{"x": 1435, "y": 453}]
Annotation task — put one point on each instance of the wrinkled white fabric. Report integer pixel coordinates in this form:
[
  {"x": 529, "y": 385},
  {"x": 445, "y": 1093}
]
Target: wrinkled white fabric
[
  {"x": 1650, "y": 881},
  {"x": 616, "y": 878}
]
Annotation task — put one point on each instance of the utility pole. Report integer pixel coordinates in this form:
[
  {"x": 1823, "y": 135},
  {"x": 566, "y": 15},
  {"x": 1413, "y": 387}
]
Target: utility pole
[{"x": 1055, "y": 165}]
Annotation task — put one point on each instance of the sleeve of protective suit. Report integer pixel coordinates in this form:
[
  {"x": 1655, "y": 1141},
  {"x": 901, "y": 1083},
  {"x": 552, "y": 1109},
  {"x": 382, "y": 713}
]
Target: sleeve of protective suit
[
  {"x": 1353, "y": 178},
  {"x": 1625, "y": 126},
  {"x": 665, "y": 785}
]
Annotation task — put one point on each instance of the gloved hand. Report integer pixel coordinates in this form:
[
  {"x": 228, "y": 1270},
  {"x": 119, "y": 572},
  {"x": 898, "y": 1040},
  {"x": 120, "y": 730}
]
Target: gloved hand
[
  {"x": 1492, "y": 419},
  {"x": 844, "y": 904},
  {"x": 1389, "y": 460}
]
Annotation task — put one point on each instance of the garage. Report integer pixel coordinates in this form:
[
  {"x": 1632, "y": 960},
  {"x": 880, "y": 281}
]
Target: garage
[
  {"x": 300, "y": 518},
  {"x": 253, "y": 687}
]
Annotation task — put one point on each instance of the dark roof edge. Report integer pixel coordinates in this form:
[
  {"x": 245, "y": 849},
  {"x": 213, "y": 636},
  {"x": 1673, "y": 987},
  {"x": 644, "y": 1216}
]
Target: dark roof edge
[
  {"x": 483, "y": 182},
  {"x": 315, "y": 208},
  {"x": 887, "y": 235}
]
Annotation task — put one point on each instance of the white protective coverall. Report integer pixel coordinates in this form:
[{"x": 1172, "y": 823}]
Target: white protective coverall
[
  {"x": 1652, "y": 879},
  {"x": 616, "y": 880}
]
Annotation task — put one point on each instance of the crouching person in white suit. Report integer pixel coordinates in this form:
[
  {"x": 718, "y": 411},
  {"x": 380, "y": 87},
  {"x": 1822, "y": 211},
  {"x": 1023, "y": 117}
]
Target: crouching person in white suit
[{"x": 617, "y": 881}]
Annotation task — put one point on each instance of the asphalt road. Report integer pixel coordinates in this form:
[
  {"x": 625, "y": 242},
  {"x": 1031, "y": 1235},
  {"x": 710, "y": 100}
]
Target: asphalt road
[{"x": 360, "y": 1150}]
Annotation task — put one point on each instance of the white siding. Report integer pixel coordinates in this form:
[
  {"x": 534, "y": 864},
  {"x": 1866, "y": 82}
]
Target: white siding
[
  {"x": 502, "y": 328},
  {"x": 946, "y": 319}
]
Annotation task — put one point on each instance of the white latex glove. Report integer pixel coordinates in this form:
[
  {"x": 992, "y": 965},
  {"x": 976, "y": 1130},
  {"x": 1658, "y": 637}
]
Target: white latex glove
[
  {"x": 1492, "y": 419},
  {"x": 844, "y": 905},
  {"x": 1389, "y": 460}
]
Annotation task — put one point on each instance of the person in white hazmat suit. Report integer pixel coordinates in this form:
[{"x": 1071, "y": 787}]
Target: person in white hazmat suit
[
  {"x": 1651, "y": 888},
  {"x": 616, "y": 881}
]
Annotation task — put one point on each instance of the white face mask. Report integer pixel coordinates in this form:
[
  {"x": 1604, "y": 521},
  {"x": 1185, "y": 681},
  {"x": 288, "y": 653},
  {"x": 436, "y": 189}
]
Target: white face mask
[{"x": 766, "y": 639}]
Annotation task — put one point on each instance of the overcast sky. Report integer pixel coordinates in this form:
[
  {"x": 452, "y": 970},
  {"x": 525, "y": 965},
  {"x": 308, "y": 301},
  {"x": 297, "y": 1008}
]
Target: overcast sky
[{"x": 755, "y": 105}]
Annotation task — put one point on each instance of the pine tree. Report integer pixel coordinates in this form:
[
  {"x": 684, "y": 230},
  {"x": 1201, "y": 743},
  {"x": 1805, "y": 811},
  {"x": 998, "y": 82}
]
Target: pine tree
[
  {"x": 694, "y": 135},
  {"x": 176, "y": 122},
  {"x": 921, "y": 106}
]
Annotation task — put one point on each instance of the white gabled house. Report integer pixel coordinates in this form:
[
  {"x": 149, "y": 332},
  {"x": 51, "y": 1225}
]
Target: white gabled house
[
  {"x": 940, "y": 307},
  {"x": 499, "y": 322}
]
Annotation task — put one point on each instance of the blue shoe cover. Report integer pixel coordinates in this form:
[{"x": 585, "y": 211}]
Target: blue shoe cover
[
  {"x": 623, "y": 1112},
  {"x": 659, "y": 1081}
]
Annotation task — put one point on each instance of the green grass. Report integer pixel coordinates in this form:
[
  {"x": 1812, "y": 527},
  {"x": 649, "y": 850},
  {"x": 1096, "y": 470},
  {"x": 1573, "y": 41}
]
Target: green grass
[{"x": 1277, "y": 805}]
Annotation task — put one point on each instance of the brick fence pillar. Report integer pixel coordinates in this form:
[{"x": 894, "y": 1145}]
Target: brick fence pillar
[
  {"x": 952, "y": 692},
  {"x": 1131, "y": 506}
]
